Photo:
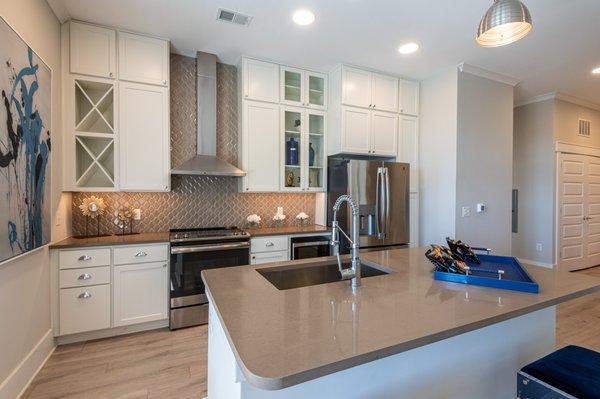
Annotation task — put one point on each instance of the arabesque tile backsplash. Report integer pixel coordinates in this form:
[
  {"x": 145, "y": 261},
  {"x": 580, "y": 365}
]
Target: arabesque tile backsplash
[{"x": 197, "y": 201}]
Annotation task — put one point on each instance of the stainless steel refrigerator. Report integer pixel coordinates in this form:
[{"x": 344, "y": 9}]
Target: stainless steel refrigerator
[{"x": 381, "y": 189}]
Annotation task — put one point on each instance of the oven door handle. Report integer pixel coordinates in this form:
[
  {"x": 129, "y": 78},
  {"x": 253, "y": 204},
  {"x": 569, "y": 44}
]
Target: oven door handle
[
  {"x": 207, "y": 248},
  {"x": 308, "y": 244}
]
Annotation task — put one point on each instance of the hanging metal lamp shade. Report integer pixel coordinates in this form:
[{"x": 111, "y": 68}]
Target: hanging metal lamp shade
[{"x": 505, "y": 22}]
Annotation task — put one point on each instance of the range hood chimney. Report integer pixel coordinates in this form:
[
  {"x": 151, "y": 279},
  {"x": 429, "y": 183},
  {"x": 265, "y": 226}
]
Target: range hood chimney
[{"x": 206, "y": 163}]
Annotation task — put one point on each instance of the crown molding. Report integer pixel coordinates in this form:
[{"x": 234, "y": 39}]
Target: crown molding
[
  {"x": 558, "y": 96},
  {"x": 59, "y": 9},
  {"x": 484, "y": 73}
]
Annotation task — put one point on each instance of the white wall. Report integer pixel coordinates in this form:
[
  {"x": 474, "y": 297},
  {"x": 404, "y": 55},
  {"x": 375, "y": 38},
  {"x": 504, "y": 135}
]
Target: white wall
[
  {"x": 534, "y": 177},
  {"x": 566, "y": 123},
  {"x": 25, "y": 329},
  {"x": 437, "y": 157},
  {"x": 484, "y": 162}
]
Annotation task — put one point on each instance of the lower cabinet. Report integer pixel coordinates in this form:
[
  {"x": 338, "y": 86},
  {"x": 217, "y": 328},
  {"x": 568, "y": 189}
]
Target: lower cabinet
[
  {"x": 268, "y": 257},
  {"x": 84, "y": 309},
  {"x": 139, "y": 293}
]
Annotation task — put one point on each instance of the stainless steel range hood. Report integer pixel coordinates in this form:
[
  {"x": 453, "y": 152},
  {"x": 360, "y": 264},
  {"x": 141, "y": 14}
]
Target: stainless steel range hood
[{"x": 206, "y": 162}]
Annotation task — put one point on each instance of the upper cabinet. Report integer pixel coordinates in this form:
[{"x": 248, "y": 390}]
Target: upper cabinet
[
  {"x": 303, "y": 88},
  {"x": 93, "y": 50},
  {"x": 116, "y": 120},
  {"x": 369, "y": 90},
  {"x": 409, "y": 97},
  {"x": 260, "y": 80},
  {"x": 143, "y": 59}
]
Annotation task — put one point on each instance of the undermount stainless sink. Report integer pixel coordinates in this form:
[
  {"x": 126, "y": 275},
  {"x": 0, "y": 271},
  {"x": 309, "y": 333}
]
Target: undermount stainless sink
[{"x": 286, "y": 277}]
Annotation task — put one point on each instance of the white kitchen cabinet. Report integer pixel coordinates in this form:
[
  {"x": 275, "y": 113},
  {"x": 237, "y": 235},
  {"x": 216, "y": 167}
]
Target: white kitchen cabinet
[
  {"x": 260, "y": 80},
  {"x": 93, "y": 50},
  {"x": 302, "y": 149},
  {"x": 140, "y": 293},
  {"x": 384, "y": 133},
  {"x": 143, "y": 59},
  {"x": 385, "y": 93},
  {"x": 268, "y": 257},
  {"x": 355, "y": 127},
  {"x": 409, "y": 97},
  {"x": 144, "y": 137},
  {"x": 414, "y": 219},
  {"x": 84, "y": 309},
  {"x": 408, "y": 148},
  {"x": 259, "y": 146},
  {"x": 356, "y": 87},
  {"x": 303, "y": 88}
]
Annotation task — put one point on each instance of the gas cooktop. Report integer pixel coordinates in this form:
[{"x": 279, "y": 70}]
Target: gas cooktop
[{"x": 207, "y": 233}]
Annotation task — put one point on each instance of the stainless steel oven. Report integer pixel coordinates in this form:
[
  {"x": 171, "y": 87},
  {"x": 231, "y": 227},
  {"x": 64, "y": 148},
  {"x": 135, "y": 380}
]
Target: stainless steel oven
[
  {"x": 310, "y": 247},
  {"x": 193, "y": 251}
]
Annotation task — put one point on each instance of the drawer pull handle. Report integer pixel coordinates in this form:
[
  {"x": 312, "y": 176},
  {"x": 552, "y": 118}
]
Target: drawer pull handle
[
  {"x": 269, "y": 244},
  {"x": 84, "y": 276},
  {"x": 141, "y": 254},
  {"x": 83, "y": 258},
  {"x": 85, "y": 295}
]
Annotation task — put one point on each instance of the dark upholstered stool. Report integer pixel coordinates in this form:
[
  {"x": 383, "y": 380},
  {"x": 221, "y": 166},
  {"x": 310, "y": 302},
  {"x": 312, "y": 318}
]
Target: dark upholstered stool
[{"x": 570, "y": 372}]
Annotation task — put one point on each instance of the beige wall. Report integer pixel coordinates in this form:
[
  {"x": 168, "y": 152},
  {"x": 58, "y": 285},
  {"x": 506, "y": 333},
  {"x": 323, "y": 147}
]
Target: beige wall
[
  {"x": 566, "y": 123},
  {"x": 484, "y": 162},
  {"x": 25, "y": 281},
  {"x": 534, "y": 177}
]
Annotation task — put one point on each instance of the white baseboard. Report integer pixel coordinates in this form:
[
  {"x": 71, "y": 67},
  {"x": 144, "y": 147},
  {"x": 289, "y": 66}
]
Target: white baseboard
[
  {"x": 112, "y": 332},
  {"x": 536, "y": 263},
  {"x": 19, "y": 379}
]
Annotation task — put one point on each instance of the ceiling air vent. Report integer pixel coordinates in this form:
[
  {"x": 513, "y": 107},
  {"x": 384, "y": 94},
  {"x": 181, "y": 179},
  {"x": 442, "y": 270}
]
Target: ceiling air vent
[
  {"x": 233, "y": 17},
  {"x": 585, "y": 128}
]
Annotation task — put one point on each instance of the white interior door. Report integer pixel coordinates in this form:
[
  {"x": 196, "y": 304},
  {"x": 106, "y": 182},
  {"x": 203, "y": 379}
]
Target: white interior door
[{"x": 579, "y": 211}]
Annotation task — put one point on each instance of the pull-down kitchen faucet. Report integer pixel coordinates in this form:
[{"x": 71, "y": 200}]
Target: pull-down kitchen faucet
[{"x": 353, "y": 272}]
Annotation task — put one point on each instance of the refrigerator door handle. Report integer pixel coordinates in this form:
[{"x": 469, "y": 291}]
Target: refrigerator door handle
[
  {"x": 378, "y": 209},
  {"x": 387, "y": 201}
]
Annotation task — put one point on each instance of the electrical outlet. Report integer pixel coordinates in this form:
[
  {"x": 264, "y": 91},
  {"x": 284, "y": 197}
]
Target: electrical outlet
[
  {"x": 538, "y": 247},
  {"x": 137, "y": 214},
  {"x": 466, "y": 211}
]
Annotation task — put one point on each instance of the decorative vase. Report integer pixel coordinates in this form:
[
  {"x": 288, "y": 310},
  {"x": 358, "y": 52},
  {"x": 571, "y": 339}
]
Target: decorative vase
[
  {"x": 291, "y": 152},
  {"x": 311, "y": 155}
]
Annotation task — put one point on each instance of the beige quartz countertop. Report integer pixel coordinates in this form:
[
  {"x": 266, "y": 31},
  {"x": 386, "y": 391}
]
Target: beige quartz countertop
[
  {"x": 282, "y": 338},
  {"x": 274, "y": 231},
  {"x": 142, "y": 238}
]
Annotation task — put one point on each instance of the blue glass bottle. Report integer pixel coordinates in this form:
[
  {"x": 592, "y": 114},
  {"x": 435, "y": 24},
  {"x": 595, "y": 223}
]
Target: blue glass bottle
[{"x": 291, "y": 152}]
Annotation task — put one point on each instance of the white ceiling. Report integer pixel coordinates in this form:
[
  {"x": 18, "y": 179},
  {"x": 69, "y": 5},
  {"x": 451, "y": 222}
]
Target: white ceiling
[{"x": 558, "y": 54}]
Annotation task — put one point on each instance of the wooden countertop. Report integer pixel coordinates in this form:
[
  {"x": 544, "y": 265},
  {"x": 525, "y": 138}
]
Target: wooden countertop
[
  {"x": 274, "y": 231},
  {"x": 142, "y": 238},
  {"x": 282, "y": 338}
]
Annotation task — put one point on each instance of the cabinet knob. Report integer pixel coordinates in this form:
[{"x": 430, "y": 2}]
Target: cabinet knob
[
  {"x": 84, "y": 295},
  {"x": 84, "y": 258},
  {"x": 246, "y": 95},
  {"x": 164, "y": 82},
  {"x": 373, "y": 105},
  {"x": 84, "y": 276},
  {"x": 110, "y": 74}
]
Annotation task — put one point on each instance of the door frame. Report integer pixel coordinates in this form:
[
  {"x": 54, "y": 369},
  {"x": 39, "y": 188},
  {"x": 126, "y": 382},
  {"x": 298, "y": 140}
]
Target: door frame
[{"x": 560, "y": 148}]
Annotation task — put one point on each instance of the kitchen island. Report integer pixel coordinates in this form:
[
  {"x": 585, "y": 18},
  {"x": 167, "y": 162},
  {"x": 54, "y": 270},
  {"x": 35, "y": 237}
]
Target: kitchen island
[{"x": 398, "y": 335}]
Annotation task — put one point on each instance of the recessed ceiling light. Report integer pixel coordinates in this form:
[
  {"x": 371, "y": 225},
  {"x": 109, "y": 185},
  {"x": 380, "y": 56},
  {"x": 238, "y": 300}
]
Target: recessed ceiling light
[
  {"x": 596, "y": 71},
  {"x": 303, "y": 17},
  {"x": 408, "y": 48}
]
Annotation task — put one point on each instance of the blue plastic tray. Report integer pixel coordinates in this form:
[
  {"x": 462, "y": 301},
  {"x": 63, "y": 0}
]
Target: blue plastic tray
[{"x": 515, "y": 277}]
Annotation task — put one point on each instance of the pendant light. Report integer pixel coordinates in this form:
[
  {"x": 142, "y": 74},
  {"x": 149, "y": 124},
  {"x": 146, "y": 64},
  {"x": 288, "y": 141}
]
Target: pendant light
[{"x": 505, "y": 22}]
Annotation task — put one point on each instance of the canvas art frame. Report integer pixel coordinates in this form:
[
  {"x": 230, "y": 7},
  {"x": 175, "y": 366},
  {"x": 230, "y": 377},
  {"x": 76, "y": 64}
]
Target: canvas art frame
[{"x": 25, "y": 146}]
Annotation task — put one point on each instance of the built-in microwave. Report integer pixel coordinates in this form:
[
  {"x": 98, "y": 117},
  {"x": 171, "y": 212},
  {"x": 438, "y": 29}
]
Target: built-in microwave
[{"x": 310, "y": 247}]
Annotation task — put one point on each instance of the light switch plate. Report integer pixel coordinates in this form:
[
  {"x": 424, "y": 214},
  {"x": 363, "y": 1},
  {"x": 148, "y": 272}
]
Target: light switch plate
[{"x": 466, "y": 211}]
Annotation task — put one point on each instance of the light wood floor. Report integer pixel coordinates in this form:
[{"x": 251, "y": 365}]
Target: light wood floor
[{"x": 166, "y": 364}]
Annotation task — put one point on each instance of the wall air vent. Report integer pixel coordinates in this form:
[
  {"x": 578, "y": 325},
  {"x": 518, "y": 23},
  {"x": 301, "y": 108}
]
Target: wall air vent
[
  {"x": 233, "y": 17},
  {"x": 585, "y": 128}
]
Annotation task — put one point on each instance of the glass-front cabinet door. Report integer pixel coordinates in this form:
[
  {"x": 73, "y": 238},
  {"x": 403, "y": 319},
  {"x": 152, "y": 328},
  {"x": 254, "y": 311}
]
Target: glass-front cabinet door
[
  {"x": 316, "y": 85},
  {"x": 292, "y": 86},
  {"x": 292, "y": 148},
  {"x": 316, "y": 159}
]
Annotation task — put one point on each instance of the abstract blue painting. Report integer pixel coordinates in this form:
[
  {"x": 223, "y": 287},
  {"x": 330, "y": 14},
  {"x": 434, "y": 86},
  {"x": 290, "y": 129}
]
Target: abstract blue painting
[{"x": 25, "y": 83}]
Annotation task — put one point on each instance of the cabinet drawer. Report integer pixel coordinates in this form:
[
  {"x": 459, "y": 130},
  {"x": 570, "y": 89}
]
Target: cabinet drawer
[
  {"x": 140, "y": 254},
  {"x": 84, "y": 277},
  {"x": 269, "y": 244},
  {"x": 84, "y": 258},
  {"x": 84, "y": 309},
  {"x": 268, "y": 257}
]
